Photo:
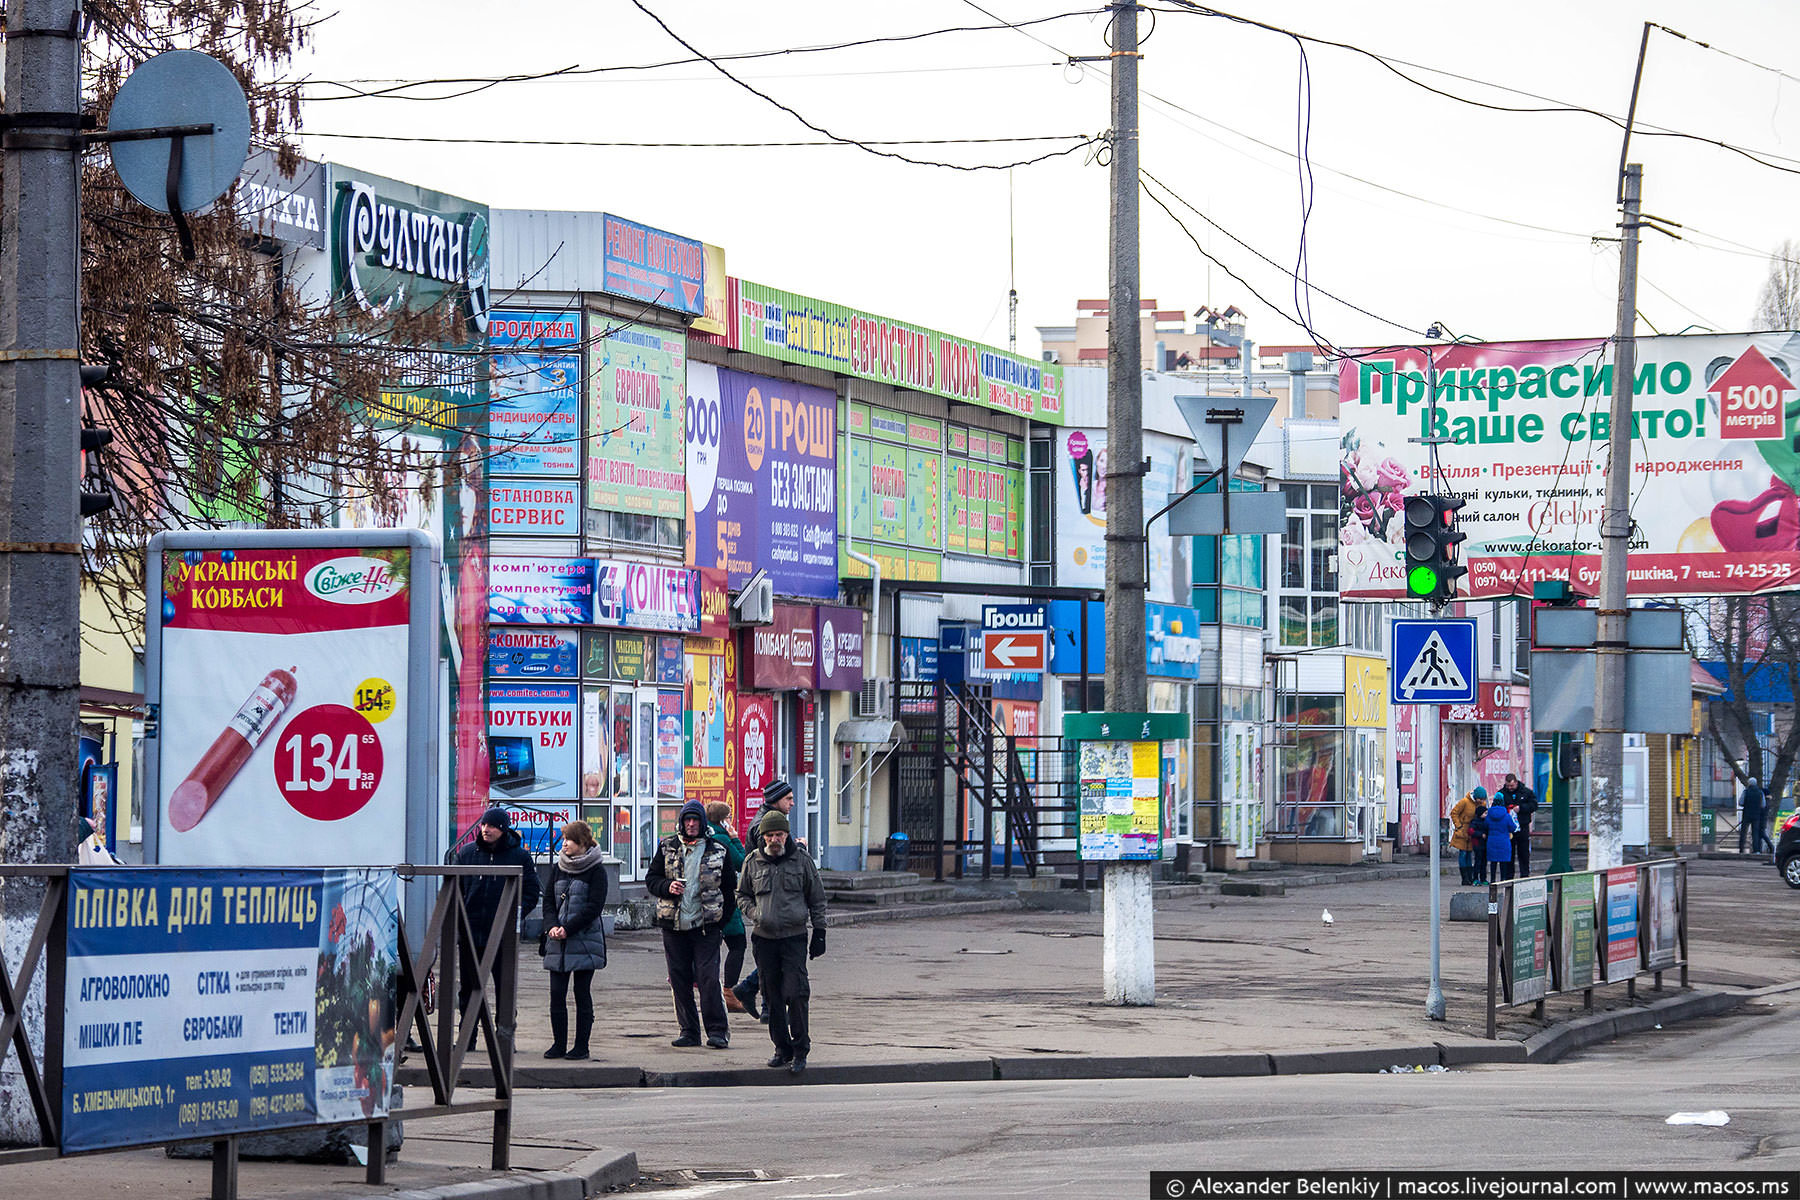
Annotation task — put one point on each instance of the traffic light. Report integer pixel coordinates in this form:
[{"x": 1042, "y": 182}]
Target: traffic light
[
  {"x": 1568, "y": 759},
  {"x": 100, "y": 499},
  {"x": 1431, "y": 541}
]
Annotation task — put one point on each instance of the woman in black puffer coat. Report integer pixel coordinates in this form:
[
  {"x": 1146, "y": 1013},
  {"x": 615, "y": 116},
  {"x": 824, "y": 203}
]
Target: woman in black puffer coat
[{"x": 574, "y": 936}]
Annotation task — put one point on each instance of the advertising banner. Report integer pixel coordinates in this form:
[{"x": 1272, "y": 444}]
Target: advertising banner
[
  {"x": 755, "y": 753},
  {"x": 1081, "y": 463},
  {"x": 762, "y": 479},
  {"x": 531, "y": 740},
  {"x": 833, "y": 337},
  {"x": 534, "y": 415},
  {"x": 1530, "y": 950},
  {"x": 711, "y": 718},
  {"x": 784, "y": 654},
  {"x": 670, "y": 737},
  {"x": 205, "y": 1003},
  {"x": 1663, "y": 942},
  {"x": 1621, "y": 923},
  {"x": 284, "y": 704},
  {"x": 636, "y": 444},
  {"x": 541, "y": 591},
  {"x": 533, "y": 653},
  {"x": 1716, "y": 415},
  {"x": 538, "y": 509},
  {"x": 540, "y": 824},
  {"x": 659, "y": 268},
  {"x": 646, "y": 596},
  {"x": 840, "y": 649},
  {"x": 1580, "y": 899}
]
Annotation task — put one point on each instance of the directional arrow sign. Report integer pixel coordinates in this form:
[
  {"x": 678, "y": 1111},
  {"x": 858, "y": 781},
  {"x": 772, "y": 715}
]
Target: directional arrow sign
[{"x": 1013, "y": 651}]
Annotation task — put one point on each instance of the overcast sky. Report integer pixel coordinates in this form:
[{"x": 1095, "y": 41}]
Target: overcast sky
[{"x": 1423, "y": 208}]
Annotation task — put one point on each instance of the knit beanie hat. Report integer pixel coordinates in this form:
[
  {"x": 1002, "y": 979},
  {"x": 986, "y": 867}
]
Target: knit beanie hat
[
  {"x": 693, "y": 808},
  {"x": 496, "y": 816},
  {"x": 1479, "y": 793},
  {"x": 776, "y": 792},
  {"x": 773, "y": 821}
]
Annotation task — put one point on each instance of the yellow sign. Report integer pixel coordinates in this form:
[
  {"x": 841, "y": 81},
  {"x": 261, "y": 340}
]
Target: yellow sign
[
  {"x": 375, "y": 699},
  {"x": 1365, "y": 692}
]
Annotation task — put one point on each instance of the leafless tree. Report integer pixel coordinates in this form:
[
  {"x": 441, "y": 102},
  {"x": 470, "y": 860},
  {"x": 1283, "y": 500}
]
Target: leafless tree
[
  {"x": 1778, "y": 307},
  {"x": 1757, "y": 639}
]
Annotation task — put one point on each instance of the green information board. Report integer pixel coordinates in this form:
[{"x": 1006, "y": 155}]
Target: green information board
[{"x": 1530, "y": 949}]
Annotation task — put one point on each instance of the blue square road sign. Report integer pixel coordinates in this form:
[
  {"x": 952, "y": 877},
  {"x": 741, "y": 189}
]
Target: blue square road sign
[{"x": 1432, "y": 662}]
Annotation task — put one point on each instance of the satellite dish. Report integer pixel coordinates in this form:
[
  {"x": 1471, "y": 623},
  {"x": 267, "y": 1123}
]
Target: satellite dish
[{"x": 181, "y": 87}]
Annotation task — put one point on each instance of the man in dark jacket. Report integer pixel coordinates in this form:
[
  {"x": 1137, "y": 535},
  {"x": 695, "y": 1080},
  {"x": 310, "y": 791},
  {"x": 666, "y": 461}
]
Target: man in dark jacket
[
  {"x": 778, "y": 797},
  {"x": 1750, "y": 820},
  {"x": 495, "y": 844},
  {"x": 695, "y": 887},
  {"x": 1523, "y": 801},
  {"x": 780, "y": 889}
]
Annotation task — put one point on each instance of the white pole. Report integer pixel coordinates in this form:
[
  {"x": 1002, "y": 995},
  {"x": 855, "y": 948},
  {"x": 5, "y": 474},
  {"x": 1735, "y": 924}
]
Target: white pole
[{"x": 1426, "y": 755}]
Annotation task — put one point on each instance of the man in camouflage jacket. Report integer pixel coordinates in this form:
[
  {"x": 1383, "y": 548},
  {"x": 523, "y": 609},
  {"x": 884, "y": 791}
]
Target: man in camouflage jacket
[{"x": 696, "y": 892}]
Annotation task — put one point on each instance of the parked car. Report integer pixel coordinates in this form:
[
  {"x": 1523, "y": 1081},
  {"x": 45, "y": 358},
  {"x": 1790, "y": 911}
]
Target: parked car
[{"x": 1787, "y": 851}]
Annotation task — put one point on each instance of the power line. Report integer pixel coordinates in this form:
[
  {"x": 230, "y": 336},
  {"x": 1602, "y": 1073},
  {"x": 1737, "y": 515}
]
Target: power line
[{"x": 1081, "y": 138}]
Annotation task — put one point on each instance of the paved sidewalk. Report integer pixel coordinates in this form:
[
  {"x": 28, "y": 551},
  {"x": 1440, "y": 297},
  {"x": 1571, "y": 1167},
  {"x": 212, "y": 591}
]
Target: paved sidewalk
[{"x": 1245, "y": 984}]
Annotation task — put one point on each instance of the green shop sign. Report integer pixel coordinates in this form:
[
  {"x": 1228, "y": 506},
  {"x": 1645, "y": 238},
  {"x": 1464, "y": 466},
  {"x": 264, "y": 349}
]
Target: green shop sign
[{"x": 833, "y": 337}]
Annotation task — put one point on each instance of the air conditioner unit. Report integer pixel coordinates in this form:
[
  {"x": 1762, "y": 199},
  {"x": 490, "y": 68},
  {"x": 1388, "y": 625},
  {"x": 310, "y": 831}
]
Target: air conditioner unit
[
  {"x": 875, "y": 698},
  {"x": 755, "y": 603}
]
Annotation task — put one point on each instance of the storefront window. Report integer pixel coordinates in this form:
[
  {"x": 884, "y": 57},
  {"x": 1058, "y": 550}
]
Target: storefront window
[{"x": 1311, "y": 801}]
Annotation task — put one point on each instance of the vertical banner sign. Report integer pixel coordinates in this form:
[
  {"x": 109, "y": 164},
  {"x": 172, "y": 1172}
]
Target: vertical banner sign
[
  {"x": 710, "y": 712},
  {"x": 284, "y": 678},
  {"x": 840, "y": 648},
  {"x": 534, "y": 389},
  {"x": 636, "y": 444},
  {"x": 205, "y": 1003},
  {"x": 1621, "y": 923},
  {"x": 1662, "y": 947},
  {"x": 1530, "y": 951},
  {"x": 1579, "y": 896},
  {"x": 668, "y": 745},
  {"x": 531, "y": 740},
  {"x": 1081, "y": 485},
  {"x": 755, "y": 752},
  {"x": 1525, "y": 426},
  {"x": 762, "y": 479}
]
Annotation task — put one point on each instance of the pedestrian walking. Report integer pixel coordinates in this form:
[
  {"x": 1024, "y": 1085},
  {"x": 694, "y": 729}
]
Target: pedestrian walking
[
  {"x": 695, "y": 887},
  {"x": 1751, "y": 807},
  {"x": 777, "y": 797},
  {"x": 574, "y": 939},
  {"x": 780, "y": 889},
  {"x": 1463, "y": 836},
  {"x": 1524, "y": 804},
  {"x": 1501, "y": 825},
  {"x": 718, "y": 816},
  {"x": 495, "y": 844}
]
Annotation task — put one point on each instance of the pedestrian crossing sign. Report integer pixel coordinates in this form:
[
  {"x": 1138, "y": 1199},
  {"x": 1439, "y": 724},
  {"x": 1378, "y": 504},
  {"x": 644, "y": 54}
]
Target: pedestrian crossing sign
[{"x": 1432, "y": 662}]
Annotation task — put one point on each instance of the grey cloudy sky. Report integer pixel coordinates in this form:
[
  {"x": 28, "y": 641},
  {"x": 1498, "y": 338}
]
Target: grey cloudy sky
[{"x": 1422, "y": 208}]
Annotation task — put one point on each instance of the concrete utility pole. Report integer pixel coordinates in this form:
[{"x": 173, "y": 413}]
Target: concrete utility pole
[
  {"x": 1129, "y": 949},
  {"x": 40, "y": 529},
  {"x": 1606, "y": 801}
]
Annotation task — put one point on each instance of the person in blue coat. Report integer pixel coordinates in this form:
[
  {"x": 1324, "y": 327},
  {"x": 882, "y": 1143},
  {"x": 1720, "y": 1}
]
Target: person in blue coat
[{"x": 1501, "y": 825}]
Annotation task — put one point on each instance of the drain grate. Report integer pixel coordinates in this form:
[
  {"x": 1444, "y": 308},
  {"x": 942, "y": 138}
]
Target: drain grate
[{"x": 727, "y": 1175}]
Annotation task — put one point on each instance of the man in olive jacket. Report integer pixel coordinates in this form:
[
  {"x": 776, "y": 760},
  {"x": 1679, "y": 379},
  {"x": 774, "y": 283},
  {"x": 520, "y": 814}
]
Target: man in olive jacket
[{"x": 780, "y": 890}]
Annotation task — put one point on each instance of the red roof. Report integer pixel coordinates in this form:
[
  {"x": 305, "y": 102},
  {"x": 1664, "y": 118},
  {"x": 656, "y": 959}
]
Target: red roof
[
  {"x": 1093, "y": 352},
  {"x": 1292, "y": 350},
  {"x": 1168, "y": 314}
]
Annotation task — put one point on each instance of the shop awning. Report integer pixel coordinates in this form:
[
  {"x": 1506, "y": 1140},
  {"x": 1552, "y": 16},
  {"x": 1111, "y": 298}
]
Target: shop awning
[{"x": 872, "y": 731}]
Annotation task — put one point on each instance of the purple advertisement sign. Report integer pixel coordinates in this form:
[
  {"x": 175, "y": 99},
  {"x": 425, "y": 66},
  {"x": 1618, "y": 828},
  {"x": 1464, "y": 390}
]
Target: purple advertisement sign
[
  {"x": 762, "y": 479},
  {"x": 840, "y": 653},
  {"x": 657, "y": 267}
]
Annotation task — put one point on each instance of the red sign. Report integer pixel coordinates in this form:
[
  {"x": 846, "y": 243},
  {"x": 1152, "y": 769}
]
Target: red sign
[
  {"x": 715, "y": 603},
  {"x": 755, "y": 750},
  {"x": 783, "y": 656},
  {"x": 1013, "y": 650},
  {"x": 1751, "y": 392},
  {"x": 806, "y": 740}
]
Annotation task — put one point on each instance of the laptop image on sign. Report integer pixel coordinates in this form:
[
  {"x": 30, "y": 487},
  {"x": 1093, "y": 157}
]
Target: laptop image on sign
[{"x": 512, "y": 767}]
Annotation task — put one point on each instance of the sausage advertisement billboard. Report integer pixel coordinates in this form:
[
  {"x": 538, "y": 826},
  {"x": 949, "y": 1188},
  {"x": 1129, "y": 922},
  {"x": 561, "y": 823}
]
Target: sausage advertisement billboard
[{"x": 290, "y": 677}]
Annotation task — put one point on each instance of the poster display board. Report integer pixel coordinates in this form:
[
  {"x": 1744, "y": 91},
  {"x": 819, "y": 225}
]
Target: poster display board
[
  {"x": 291, "y": 675},
  {"x": 636, "y": 418},
  {"x": 1662, "y": 940},
  {"x": 532, "y": 740},
  {"x": 1621, "y": 923},
  {"x": 1119, "y": 777},
  {"x": 1081, "y": 483},
  {"x": 1526, "y": 425},
  {"x": 1576, "y": 966},
  {"x": 205, "y": 1003},
  {"x": 1529, "y": 950}
]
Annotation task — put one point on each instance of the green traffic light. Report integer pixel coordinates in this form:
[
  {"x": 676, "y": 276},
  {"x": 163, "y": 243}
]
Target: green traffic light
[{"x": 1422, "y": 581}]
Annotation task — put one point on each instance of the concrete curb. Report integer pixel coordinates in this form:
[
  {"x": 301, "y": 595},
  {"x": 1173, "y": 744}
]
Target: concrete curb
[
  {"x": 1557, "y": 1041},
  {"x": 586, "y": 1177}
]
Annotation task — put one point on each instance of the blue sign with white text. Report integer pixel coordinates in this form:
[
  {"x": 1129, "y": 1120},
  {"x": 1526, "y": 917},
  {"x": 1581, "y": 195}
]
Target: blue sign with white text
[{"x": 1432, "y": 662}]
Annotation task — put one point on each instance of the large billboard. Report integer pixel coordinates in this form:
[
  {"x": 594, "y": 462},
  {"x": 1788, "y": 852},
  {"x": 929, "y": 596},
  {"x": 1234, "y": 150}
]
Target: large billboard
[
  {"x": 1714, "y": 472},
  {"x": 292, "y": 678},
  {"x": 762, "y": 479},
  {"x": 204, "y": 1003},
  {"x": 636, "y": 410},
  {"x": 835, "y": 337}
]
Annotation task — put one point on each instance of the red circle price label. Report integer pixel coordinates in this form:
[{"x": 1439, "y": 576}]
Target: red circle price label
[{"x": 328, "y": 762}]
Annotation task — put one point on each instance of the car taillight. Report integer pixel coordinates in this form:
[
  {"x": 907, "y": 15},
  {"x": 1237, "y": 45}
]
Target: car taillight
[{"x": 1790, "y": 822}]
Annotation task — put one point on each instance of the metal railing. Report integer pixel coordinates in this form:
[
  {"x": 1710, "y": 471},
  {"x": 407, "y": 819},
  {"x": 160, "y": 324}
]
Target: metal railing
[
  {"x": 445, "y": 1042},
  {"x": 1659, "y": 940}
]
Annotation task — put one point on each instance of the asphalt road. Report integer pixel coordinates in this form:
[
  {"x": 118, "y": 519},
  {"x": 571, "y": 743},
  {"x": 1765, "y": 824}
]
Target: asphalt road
[{"x": 1603, "y": 1109}]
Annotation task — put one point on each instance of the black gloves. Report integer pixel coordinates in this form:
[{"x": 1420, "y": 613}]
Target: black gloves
[{"x": 818, "y": 944}]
